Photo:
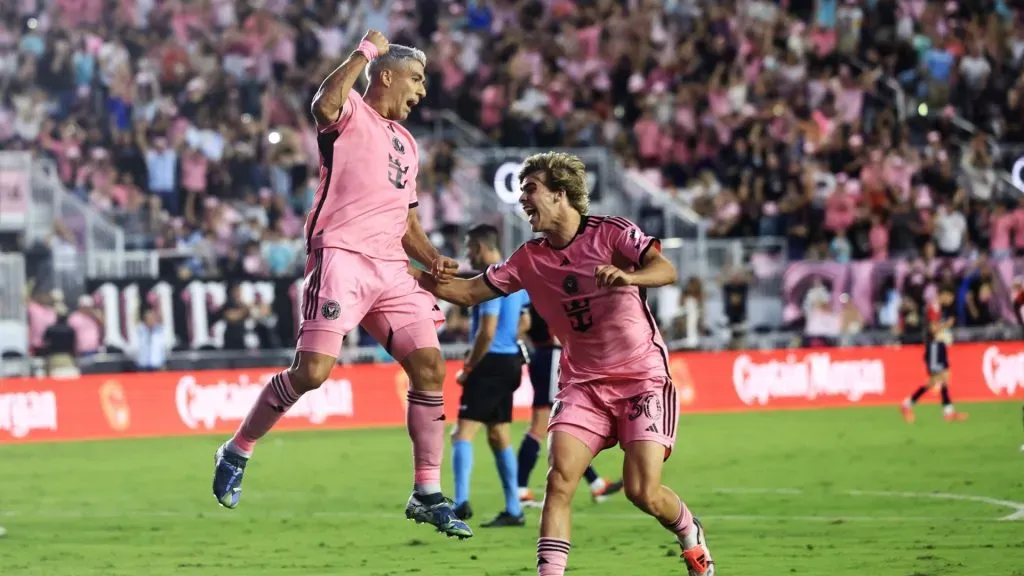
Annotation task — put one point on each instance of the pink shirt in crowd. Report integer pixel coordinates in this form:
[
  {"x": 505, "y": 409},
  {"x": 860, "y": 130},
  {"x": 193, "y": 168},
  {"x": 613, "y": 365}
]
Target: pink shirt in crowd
[
  {"x": 1002, "y": 226},
  {"x": 1018, "y": 237},
  {"x": 839, "y": 211},
  {"x": 648, "y": 136},
  {"x": 88, "y": 334},
  {"x": 879, "y": 238},
  {"x": 39, "y": 319},
  {"x": 193, "y": 171}
]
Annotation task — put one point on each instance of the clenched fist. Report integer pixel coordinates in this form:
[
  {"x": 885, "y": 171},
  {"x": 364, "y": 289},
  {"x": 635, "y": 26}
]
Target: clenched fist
[
  {"x": 608, "y": 276},
  {"x": 378, "y": 40},
  {"x": 443, "y": 269}
]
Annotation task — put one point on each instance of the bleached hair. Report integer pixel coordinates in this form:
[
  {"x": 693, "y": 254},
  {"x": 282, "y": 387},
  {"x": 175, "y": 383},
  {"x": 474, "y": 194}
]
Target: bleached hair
[{"x": 397, "y": 55}]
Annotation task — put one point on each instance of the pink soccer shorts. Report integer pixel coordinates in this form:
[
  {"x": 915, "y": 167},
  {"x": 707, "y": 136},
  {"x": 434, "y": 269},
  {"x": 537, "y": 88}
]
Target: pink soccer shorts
[
  {"x": 607, "y": 412},
  {"x": 345, "y": 289}
]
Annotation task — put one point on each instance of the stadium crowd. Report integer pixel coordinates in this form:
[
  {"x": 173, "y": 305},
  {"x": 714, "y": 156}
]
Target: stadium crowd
[{"x": 187, "y": 120}]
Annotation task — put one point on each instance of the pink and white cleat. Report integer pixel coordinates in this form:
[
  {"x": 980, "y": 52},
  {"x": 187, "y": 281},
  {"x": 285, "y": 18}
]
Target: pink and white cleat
[{"x": 698, "y": 557}]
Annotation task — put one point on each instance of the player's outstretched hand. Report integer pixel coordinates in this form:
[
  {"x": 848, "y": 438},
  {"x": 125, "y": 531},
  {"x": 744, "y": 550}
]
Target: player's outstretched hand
[
  {"x": 611, "y": 276},
  {"x": 443, "y": 269},
  {"x": 378, "y": 40}
]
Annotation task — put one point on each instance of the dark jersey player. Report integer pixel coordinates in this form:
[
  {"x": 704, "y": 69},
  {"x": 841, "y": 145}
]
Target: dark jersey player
[
  {"x": 937, "y": 340},
  {"x": 547, "y": 352}
]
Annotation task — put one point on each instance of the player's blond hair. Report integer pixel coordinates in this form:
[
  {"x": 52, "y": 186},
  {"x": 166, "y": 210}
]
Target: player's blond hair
[{"x": 562, "y": 171}]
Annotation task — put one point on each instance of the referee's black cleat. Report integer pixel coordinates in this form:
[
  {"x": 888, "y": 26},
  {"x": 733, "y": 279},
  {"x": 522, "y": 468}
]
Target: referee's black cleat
[
  {"x": 464, "y": 511},
  {"x": 505, "y": 519}
]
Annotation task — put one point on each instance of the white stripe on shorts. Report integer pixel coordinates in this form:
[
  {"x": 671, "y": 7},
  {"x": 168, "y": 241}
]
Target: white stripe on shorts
[{"x": 556, "y": 357}]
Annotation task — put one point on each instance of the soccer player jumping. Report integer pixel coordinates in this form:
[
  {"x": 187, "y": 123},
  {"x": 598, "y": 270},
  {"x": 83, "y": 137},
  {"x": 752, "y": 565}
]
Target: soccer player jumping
[
  {"x": 359, "y": 237},
  {"x": 588, "y": 278}
]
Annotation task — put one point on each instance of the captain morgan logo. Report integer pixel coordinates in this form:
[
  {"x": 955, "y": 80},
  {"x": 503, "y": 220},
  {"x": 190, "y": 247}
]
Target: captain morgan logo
[
  {"x": 683, "y": 381},
  {"x": 115, "y": 405}
]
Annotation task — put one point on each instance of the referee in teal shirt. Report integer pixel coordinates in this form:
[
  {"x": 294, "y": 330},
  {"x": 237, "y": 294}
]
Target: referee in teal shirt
[{"x": 492, "y": 372}]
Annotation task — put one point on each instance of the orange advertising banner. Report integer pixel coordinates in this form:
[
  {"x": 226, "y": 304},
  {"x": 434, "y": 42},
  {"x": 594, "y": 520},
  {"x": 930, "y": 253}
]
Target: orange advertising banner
[{"x": 373, "y": 395}]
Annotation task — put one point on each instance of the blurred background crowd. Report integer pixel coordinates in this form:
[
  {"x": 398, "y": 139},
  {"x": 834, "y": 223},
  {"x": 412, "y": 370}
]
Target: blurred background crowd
[{"x": 817, "y": 132}]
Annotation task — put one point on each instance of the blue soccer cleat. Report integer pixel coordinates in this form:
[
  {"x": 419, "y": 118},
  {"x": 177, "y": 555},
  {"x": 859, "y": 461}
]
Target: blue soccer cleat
[
  {"x": 227, "y": 477},
  {"x": 441, "y": 516}
]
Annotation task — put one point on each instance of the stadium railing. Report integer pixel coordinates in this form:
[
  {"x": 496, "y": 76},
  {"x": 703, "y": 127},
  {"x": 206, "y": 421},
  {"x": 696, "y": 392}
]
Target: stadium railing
[
  {"x": 55, "y": 203},
  {"x": 13, "y": 313},
  {"x": 128, "y": 264},
  {"x": 764, "y": 260},
  {"x": 52, "y": 203},
  {"x": 447, "y": 125}
]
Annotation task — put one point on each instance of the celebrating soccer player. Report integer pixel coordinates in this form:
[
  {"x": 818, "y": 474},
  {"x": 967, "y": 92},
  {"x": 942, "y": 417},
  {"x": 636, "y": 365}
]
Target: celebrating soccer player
[
  {"x": 359, "y": 237},
  {"x": 588, "y": 278}
]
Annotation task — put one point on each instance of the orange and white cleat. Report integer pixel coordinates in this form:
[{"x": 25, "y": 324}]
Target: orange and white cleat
[
  {"x": 698, "y": 558},
  {"x": 954, "y": 416},
  {"x": 908, "y": 413},
  {"x": 605, "y": 490},
  {"x": 526, "y": 499}
]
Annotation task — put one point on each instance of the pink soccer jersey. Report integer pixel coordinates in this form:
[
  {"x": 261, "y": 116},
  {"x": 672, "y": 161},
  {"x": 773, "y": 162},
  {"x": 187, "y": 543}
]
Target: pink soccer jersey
[
  {"x": 606, "y": 333},
  {"x": 368, "y": 169}
]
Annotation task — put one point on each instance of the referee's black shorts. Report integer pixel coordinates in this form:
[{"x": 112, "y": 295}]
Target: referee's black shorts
[{"x": 487, "y": 393}]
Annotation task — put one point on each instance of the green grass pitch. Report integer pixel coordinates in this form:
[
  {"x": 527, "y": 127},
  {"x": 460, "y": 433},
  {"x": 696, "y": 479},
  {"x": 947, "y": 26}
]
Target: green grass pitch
[{"x": 816, "y": 493}]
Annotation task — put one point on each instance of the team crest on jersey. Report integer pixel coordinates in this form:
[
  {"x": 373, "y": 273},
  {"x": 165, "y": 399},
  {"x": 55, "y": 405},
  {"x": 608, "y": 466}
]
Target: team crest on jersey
[
  {"x": 399, "y": 147},
  {"x": 571, "y": 284},
  {"x": 331, "y": 310}
]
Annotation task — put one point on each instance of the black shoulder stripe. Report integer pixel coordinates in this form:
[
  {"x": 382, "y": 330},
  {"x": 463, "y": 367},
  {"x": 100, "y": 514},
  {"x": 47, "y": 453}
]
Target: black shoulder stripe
[
  {"x": 622, "y": 222},
  {"x": 325, "y": 142},
  {"x": 491, "y": 285}
]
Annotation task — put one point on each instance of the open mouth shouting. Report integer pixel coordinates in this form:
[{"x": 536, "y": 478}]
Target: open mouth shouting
[{"x": 531, "y": 213}]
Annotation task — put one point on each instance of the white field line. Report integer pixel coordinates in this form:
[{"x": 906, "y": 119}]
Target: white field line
[
  {"x": 1017, "y": 507},
  {"x": 66, "y": 511}
]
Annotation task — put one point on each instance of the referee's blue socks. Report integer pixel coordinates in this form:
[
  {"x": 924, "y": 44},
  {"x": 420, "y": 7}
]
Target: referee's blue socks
[{"x": 462, "y": 463}]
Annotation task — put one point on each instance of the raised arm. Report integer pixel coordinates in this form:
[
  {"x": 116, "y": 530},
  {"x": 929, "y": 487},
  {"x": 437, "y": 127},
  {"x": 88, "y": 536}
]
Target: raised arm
[{"x": 330, "y": 98}]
